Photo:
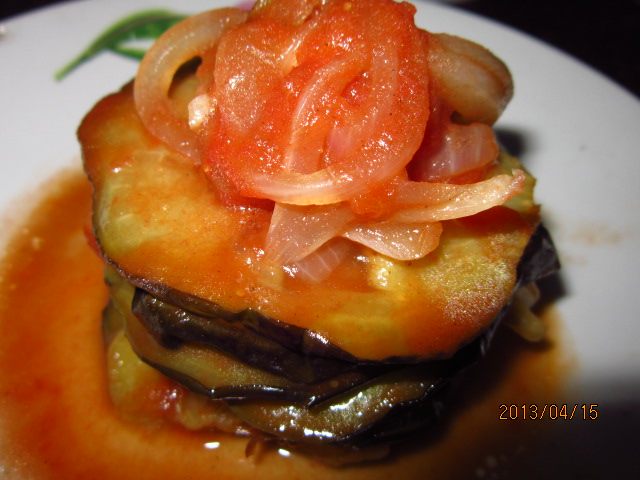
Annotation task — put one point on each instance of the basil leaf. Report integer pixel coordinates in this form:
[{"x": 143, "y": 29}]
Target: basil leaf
[{"x": 147, "y": 24}]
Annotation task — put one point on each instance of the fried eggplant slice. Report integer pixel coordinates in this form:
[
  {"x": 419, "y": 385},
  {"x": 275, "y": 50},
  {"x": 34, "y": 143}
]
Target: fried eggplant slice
[
  {"x": 362, "y": 359},
  {"x": 159, "y": 221},
  {"x": 383, "y": 408}
]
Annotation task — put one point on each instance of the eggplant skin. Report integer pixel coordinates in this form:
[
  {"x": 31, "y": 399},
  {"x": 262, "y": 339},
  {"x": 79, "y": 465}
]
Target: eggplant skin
[
  {"x": 246, "y": 335},
  {"x": 540, "y": 258}
]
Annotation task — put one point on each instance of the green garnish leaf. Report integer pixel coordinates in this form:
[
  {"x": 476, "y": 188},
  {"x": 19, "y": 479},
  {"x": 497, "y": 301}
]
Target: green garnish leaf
[
  {"x": 129, "y": 52},
  {"x": 144, "y": 25}
]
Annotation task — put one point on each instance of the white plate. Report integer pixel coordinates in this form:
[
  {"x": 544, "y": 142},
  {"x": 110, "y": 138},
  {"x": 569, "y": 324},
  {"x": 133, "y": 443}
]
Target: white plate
[{"x": 578, "y": 133}]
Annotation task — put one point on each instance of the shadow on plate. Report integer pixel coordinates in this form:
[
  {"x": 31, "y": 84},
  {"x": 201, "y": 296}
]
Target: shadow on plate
[{"x": 513, "y": 140}]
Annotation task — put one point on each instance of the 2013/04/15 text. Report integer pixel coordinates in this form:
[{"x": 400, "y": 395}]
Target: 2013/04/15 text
[{"x": 549, "y": 411}]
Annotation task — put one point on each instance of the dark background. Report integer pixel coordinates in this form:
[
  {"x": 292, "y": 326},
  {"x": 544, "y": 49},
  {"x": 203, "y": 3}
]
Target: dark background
[{"x": 603, "y": 33}]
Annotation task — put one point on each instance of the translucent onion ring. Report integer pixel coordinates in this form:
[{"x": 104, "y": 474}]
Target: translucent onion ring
[
  {"x": 401, "y": 241},
  {"x": 183, "y": 42},
  {"x": 463, "y": 201},
  {"x": 306, "y": 136},
  {"x": 471, "y": 79},
  {"x": 319, "y": 264},
  {"x": 412, "y": 232},
  {"x": 463, "y": 148},
  {"x": 296, "y": 232},
  {"x": 321, "y": 187}
]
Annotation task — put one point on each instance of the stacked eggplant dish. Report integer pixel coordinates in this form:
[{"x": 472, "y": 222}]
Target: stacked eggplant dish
[{"x": 307, "y": 224}]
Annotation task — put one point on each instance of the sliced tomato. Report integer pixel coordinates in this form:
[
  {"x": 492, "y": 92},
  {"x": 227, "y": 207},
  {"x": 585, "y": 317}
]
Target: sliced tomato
[
  {"x": 292, "y": 12},
  {"x": 321, "y": 111}
]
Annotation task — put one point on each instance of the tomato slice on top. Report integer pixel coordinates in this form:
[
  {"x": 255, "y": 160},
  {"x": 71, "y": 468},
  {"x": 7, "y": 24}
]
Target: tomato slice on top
[{"x": 321, "y": 110}]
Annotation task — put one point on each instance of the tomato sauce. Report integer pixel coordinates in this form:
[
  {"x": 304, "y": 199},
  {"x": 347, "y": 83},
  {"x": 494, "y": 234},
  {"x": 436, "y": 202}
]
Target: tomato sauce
[{"x": 57, "y": 421}]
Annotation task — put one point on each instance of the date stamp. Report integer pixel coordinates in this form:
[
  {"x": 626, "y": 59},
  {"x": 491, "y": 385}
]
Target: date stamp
[{"x": 549, "y": 411}]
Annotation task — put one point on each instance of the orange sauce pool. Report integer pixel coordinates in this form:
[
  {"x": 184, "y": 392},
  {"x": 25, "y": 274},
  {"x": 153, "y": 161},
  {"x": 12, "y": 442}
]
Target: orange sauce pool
[{"x": 56, "y": 419}]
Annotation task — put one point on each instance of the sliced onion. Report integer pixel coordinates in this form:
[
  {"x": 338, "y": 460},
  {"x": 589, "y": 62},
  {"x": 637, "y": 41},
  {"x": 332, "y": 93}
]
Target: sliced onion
[
  {"x": 411, "y": 233},
  {"x": 359, "y": 124},
  {"x": 181, "y": 43},
  {"x": 308, "y": 127},
  {"x": 463, "y": 148},
  {"x": 472, "y": 80},
  {"x": 463, "y": 201},
  {"x": 402, "y": 241},
  {"x": 317, "y": 266},
  {"x": 322, "y": 187},
  {"x": 295, "y": 232}
]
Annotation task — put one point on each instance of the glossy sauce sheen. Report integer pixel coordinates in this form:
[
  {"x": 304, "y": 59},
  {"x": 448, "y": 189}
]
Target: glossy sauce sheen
[{"x": 56, "y": 420}]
